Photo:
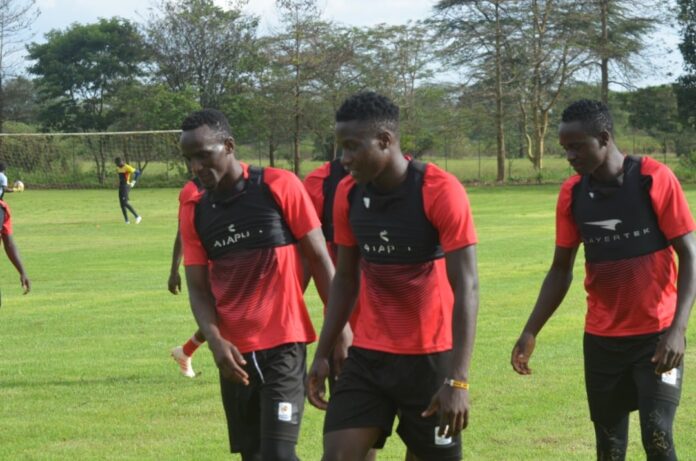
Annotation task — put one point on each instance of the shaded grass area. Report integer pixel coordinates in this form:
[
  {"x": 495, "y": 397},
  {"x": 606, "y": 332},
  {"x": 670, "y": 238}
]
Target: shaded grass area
[{"x": 85, "y": 372}]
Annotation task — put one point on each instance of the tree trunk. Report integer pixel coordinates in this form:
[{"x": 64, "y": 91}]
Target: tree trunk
[
  {"x": 604, "y": 5},
  {"x": 499, "y": 115}
]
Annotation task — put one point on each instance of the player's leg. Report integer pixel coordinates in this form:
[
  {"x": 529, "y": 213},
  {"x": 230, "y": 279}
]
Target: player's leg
[
  {"x": 658, "y": 399},
  {"x": 611, "y": 392},
  {"x": 360, "y": 414},
  {"x": 123, "y": 201},
  {"x": 418, "y": 378},
  {"x": 282, "y": 371},
  {"x": 372, "y": 453},
  {"x": 183, "y": 354},
  {"x": 611, "y": 439},
  {"x": 243, "y": 413}
]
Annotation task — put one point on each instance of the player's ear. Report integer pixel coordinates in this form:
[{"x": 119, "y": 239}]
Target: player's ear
[
  {"x": 604, "y": 138},
  {"x": 229, "y": 144},
  {"x": 385, "y": 138}
]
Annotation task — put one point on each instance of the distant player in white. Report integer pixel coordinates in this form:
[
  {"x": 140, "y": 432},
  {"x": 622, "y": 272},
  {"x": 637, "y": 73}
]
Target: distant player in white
[{"x": 4, "y": 187}]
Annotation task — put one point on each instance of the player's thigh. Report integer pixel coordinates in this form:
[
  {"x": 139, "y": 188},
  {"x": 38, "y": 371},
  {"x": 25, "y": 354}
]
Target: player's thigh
[
  {"x": 283, "y": 391},
  {"x": 359, "y": 401},
  {"x": 242, "y": 411},
  {"x": 351, "y": 444},
  {"x": 427, "y": 374}
]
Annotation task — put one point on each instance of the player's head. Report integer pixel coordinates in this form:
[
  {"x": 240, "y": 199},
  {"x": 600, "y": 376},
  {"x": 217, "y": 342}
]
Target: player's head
[
  {"x": 593, "y": 116},
  {"x": 118, "y": 161},
  {"x": 207, "y": 144},
  {"x": 367, "y": 130},
  {"x": 2, "y": 167},
  {"x": 586, "y": 134}
]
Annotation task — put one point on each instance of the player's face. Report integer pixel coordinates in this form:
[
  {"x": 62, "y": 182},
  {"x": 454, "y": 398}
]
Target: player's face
[
  {"x": 364, "y": 154},
  {"x": 584, "y": 152},
  {"x": 207, "y": 154}
]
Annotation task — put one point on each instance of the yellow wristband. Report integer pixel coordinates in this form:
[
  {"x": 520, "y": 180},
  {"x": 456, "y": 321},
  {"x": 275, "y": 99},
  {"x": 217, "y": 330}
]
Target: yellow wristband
[{"x": 457, "y": 384}]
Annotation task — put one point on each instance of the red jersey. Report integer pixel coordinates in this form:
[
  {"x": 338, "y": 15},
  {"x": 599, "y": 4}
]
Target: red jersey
[
  {"x": 406, "y": 300},
  {"x": 248, "y": 243},
  {"x": 630, "y": 271},
  {"x": 5, "y": 219}
]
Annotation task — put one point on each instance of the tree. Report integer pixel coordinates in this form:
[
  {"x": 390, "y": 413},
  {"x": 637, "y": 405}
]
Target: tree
[
  {"x": 20, "y": 103},
  {"x": 475, "y": 35},
  {"x": 165, "y": 109},
  {"x": 16, "y": 17},
  {"x": 686, "y": 85},
  {"x": 620, "y": 37},
  {"x": 195, "y": 43},
  {"x": 80, "y": 69},
  {"x": 296, "y": 51},
  {"x": 554, "y": 32},
  {"x": 654, "y": 109}
]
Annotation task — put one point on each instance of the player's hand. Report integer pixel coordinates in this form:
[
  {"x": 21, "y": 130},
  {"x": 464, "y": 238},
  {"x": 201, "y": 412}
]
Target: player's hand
[
  {"x": 340, "y": 351},
  {"x": 669, "y": 352},
  {"x": 174, "y": 283},
  {"x": 316, "y": 383},
  {"x": 26, "y": 284},
  {"x": 452, "y": 405},
  {"x": 522, "y": 352},
  {"x": 229, "y": 361}
]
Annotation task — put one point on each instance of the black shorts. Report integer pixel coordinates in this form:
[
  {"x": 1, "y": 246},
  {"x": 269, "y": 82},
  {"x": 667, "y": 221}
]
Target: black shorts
[
  {"x": 619, "y": 376},
  {"x": 271, "y": 406},
  {"x": 374, "y": 387}
]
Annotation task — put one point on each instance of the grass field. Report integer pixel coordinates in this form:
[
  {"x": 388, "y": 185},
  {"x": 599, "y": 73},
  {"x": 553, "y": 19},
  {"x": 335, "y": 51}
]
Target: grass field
[{"x": 85, "y": 372}]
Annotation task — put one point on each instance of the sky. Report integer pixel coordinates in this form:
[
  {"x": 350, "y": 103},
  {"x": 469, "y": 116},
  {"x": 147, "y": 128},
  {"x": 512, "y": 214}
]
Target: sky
[{"x": 59, "y": 14}]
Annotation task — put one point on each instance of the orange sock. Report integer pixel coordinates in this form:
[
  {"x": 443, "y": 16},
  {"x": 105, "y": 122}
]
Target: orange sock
[{"x": 191, "y": 346}]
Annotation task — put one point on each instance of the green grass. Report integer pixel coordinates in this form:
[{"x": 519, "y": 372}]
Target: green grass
[{"x": 84, "y": 366}]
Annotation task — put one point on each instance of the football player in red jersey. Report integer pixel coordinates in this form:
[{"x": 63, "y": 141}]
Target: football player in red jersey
[
  {"x": 631, "y": 216},
  {"x": 407, "y": 252}
]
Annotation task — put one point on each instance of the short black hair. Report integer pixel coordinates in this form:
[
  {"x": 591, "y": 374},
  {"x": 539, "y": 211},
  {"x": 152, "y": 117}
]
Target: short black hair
[
  {"x": 369, "y": 106},
  {"x": 594, "y": 116},
  {"x": 117, "y": 160},
  {"x": 2, "y": 166},
  {"x": 212, "y": 118}
]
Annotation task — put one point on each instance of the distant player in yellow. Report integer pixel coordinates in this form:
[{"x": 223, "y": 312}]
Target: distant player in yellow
[{"x": 126, "y": 180}]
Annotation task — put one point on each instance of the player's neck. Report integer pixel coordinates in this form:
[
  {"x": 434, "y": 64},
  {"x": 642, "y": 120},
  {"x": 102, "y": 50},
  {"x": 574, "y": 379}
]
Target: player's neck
[
  {"x": 229, "y": 182},
  {"x": 612, "y": 169},
  {"x": 393, "y": 175}
]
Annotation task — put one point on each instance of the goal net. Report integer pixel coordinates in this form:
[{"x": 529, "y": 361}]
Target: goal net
[{"x": 86, "y": 160}]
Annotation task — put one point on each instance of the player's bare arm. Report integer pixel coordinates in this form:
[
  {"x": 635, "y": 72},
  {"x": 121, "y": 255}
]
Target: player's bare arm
[
  {"x": 174, "y": 281},
  {"x": 670, "y": 350},
  {"x": 553, "y": 290},
  {"x": 452, "y": 402},
  {"x": 227, "y": 357},
  {"x": 319, "y": 264},
  {"x": 344, "y": 292},
  {"x": 13, "y": 255}
]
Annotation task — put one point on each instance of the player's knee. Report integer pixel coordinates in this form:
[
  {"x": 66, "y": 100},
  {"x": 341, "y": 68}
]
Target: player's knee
[
  {"x": 611, "y": 443},
  {"x": 657, "y": 437},
  {"x": 278, "y": 450}
]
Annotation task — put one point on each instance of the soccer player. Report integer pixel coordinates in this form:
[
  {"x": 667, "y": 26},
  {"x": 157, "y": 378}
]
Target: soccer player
[
  {"x": 10, "y": 248},
  {"x": 124, "y": 179},
  {"x": 631, "y": 216},
  {"x": 244, "y": 276},
  {"x": 4, "y": 185},
  {"x": 321, "y": 186},
  {"x": 407, "y": 252},
  {"x": 184, "y": 353}
]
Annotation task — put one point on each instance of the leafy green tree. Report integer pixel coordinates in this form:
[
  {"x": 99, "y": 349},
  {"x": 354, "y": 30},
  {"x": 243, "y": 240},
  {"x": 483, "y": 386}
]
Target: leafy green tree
[
  {"x": 16, "y": 17},
  {"x": 152, "y": 107},
  {"x": 80, "y": 69},
  {"x": 654, "y": 109},
  {"x": 476, "y": 35},
  {"x": 686, "y": 85},
  {"x": 195, "y": 43}
]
